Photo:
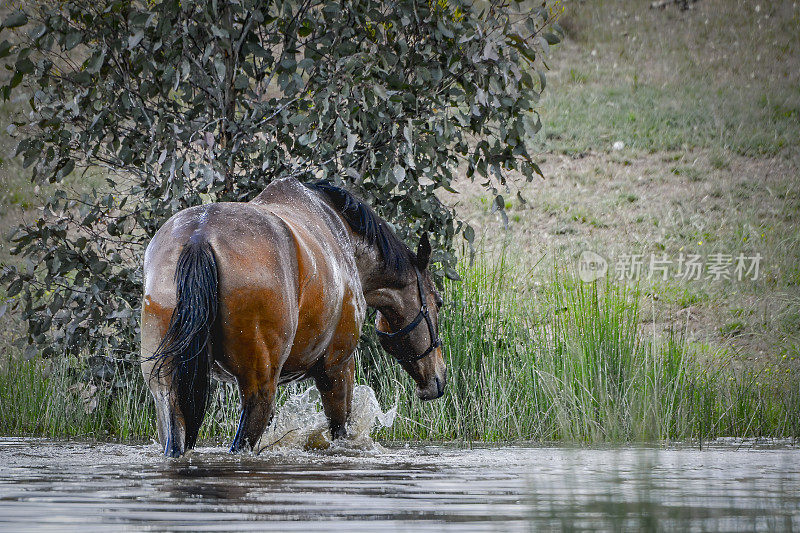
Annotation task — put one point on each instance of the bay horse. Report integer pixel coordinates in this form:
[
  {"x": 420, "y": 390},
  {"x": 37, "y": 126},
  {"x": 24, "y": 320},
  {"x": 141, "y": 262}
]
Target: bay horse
[{"x": 275, "y": 290}]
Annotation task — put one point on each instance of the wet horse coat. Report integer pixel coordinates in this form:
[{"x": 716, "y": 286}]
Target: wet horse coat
[{"x": 270, "y": 291}]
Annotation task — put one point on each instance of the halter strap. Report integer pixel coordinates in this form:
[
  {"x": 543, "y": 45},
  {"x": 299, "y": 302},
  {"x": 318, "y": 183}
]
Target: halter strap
[{"x": 423, "y": 314}]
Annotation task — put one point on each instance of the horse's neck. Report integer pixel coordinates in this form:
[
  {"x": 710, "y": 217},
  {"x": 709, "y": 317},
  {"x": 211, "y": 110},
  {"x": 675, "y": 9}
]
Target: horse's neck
[
  {"x": 375, "y": 282},
  {"x": 369, "y": 264}
]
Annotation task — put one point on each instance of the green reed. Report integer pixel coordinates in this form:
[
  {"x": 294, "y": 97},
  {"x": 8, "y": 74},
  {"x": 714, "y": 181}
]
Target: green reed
[
  {"x": 541, "y": 357},
  {"x": 47, "y": 399},
  {"x": 560, "y": 359}
]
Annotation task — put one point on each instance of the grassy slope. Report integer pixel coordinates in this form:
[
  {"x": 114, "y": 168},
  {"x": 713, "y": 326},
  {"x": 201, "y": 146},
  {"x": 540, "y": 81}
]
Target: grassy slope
[
  {"x": 721, "y": 76},
  {"x": 707, "y": 104}
]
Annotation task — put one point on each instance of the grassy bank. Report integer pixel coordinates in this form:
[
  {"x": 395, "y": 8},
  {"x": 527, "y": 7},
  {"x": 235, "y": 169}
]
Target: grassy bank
[
  {"x": 551, "y": 360},
  {"x": 566, "y": 360}
]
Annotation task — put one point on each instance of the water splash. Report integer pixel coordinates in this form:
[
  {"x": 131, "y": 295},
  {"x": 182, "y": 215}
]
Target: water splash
[{"x": 300, "y": 423}]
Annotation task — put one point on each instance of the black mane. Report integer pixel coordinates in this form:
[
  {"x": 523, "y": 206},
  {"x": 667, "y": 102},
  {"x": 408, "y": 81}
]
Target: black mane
[{"x": 397, "y": 257}]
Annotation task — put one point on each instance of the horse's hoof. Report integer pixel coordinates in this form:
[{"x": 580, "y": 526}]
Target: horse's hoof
[
  {"x": 240, "y": 448},
  {"x": 173, "y": 449},
  {"x": 339, "y": 433}
]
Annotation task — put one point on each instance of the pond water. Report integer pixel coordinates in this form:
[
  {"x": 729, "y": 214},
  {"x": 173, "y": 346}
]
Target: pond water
[{"x": 726, "y": 486}]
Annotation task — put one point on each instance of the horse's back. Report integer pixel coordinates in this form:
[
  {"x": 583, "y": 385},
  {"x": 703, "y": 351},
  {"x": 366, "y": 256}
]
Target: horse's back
[{"x": 330, "y": 299}]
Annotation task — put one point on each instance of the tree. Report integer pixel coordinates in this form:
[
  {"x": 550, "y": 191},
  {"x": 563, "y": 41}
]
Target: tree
[{"x": 186, "y": 101}]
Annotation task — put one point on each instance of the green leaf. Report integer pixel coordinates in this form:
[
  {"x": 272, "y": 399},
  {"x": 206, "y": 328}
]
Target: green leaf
[
  {"x": 407, "y": 132},
  {"x": 135, "y": 39},
  {"x": 16, "y": 79},
  {"x": 95, "y": 63},
  {"x": 65, "y": 168},
  {"x": 72, "y": 40},
  {"x": 38, "y": 32},
  {"x": 552, "y": 38},
  {"x": 219, "y": 66},
  {"x": 308, "y": 138},
  {"x": 499, "y": 203},
  {"x": 447, "y": 32},
  {"x": 469, "y": 234},
  {"x": 305, "y": 30},
  {"x": 15, "y": 20},
  {"x": 399, "y": 173},
  {"x": 351, "y": 143},
  {"x": 450, "y": 273},
  {"x": 220, "y": 33},
  {"x": 380, "y": 91},
  {"x": 24, "y": 66},
  {"x": 241, "y": 82},
  {"x": 536, "y": 168},
  {"x": 14, "y": 288},
  {"x": 98, "y": 266}
]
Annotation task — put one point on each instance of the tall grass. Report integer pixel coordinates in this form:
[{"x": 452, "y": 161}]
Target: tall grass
[
  {"x": 567, "y": 360},
  {"x": 46, "y": 399},
  {"x": 549, "y": 360}
]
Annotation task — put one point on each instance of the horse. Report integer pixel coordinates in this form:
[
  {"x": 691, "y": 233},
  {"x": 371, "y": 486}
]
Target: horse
[{"x": 275, "y": 290}]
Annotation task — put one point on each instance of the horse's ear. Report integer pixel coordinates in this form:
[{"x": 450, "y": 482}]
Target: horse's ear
[{"x": 423, "y": 252}]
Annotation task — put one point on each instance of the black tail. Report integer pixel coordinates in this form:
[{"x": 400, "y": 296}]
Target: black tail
[{"x": 185, "y": 350}]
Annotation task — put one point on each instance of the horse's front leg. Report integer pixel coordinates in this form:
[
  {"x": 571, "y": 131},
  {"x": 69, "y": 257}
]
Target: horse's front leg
[{"x": 335, "y": 383}]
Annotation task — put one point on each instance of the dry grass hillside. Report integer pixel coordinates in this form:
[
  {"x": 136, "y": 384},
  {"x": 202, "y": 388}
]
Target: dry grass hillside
[{"x": 703, "y": 106}]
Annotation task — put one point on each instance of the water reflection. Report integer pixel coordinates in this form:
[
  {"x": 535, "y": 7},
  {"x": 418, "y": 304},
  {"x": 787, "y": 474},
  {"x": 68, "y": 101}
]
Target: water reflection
[{"x": 50, "y": 485}]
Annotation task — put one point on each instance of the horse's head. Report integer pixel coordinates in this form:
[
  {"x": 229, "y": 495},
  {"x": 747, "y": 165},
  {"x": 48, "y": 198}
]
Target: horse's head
[{"x": 409, "y": 330}]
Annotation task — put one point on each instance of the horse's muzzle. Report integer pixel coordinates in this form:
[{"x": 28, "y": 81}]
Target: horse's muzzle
[{"x": 434, "y": 389}]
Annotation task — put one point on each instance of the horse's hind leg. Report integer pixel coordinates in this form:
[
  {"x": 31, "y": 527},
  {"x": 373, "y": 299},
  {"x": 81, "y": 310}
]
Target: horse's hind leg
[
  {"x": 153, "y": 330},
  {"x": 258, "y": 406},
  {"x": 256, "y": 376}
]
